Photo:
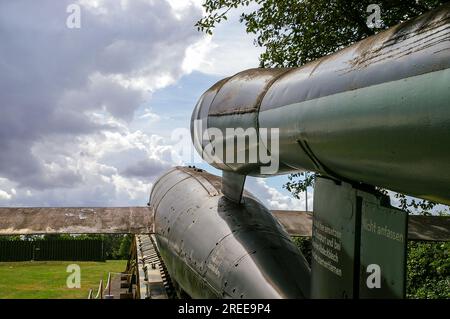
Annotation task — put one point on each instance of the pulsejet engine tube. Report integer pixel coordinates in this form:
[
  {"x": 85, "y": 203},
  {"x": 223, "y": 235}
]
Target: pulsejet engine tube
[{"x": 377, "y": 112}]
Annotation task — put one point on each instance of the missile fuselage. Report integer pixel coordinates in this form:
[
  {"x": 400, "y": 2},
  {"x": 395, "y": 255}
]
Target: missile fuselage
[
  {"x": 377, "y": 112},
  {"x": 214, "y": 248}
]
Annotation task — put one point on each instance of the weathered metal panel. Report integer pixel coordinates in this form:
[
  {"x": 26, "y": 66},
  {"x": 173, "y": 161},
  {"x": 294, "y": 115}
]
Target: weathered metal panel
[
  {"x": 334, "y": 247},
  {"x": 243, "y": 92},
  {"x": 199, "y": 120},
  {"x": 160, "y": 189},
  {"x": 375, "y": 112},
  {"x": 233, "y": 186},
  {"x": 382, "y": 251},
  {"x": 202, "y": 237},
  {"x": 389, "y": 135},
  {"x": 210, "y": 187},
  {"x": 358, "y": 243},
  {"x": 412, "y": 48},
  {"x": 75, "y": 220}
]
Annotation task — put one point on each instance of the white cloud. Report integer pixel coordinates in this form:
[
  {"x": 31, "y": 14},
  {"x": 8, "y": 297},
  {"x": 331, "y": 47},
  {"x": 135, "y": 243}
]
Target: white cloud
[
  {"x": 112, "y": 169},
  {"x": 198, "y": 56},
  {"x": 181, "y": 6},
  {"x": 228, "y": 51},
  {"x": 274, "y": 199},
  {"x": 70, "y": 95},
  {"x": 149, "y": 116},
  {"x": 4, "y": 195}
]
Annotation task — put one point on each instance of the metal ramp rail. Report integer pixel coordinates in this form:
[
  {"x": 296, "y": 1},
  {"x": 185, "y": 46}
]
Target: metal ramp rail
[
  {"x": 153, "y": 278},
  {"x": 145, "y": 277}
]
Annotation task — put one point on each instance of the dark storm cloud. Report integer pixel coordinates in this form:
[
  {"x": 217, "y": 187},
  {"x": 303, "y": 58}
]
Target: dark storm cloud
[
  {"x": 146, "y": 169},
  {"x": 52, "y": 78}
]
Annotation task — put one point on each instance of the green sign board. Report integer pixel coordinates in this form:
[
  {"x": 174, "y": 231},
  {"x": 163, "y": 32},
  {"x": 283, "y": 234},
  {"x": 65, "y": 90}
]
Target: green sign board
[
  {"x": 333, "y": 245},
  {"x": 358, "y": 244},
  {"x": 383, "y": 251}
]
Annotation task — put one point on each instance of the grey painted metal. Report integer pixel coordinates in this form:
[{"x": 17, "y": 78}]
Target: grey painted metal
[
  {"x": 233, "y": 185},
  {"x": 75, "y": 220},
  {"x": 376, "y": 112},
  {"x": 215, "y": 248}
]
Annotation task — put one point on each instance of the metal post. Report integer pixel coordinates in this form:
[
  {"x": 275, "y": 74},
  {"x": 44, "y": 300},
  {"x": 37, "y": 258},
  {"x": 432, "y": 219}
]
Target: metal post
[
  {"x": 306, "y": 192},
  {"x": 108, "y": 286},
  {"x": 306, "y": 198}
]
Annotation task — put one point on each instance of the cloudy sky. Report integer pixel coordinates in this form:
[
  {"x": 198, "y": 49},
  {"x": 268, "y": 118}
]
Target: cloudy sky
[{"x": 91, "y": 116}]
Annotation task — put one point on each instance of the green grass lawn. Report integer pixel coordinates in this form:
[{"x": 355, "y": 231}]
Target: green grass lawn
[{"x": 47, "y": 279}]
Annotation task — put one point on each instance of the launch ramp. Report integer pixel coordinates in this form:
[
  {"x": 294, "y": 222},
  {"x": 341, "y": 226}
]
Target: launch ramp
[{"x": 152, "y": 276}]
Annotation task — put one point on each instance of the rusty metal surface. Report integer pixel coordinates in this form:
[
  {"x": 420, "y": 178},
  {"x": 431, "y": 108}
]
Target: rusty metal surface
[
  {"x": 424, "y": 228},
  {"x": 210, "y": 183},
  {"x": 75, "y": 220},
  {"x": 233, "y": 97},
  {"x": 412, "y": 48}
]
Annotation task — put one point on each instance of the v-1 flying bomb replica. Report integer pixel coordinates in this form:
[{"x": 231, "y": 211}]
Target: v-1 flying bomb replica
[{"x": 374, "y": 114}]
